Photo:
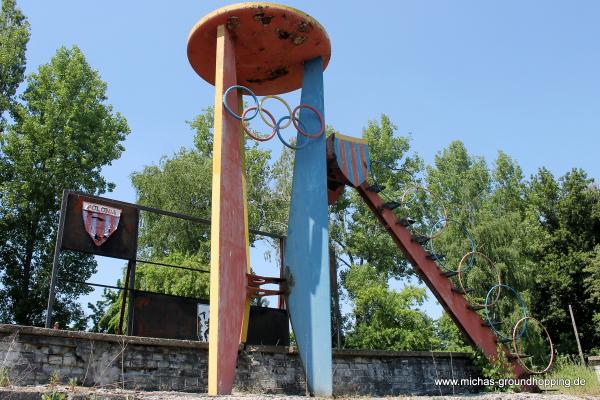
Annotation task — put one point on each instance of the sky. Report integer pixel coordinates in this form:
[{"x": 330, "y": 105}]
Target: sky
[{"x": 521, "y": 77}]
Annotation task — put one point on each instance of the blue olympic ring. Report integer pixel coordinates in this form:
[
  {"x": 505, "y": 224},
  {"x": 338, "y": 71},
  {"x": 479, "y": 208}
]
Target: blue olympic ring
[
  {"x": 286, "y": 144},
  {"x": 233, "y": 114},
  {"x": 521, "y": 305}
]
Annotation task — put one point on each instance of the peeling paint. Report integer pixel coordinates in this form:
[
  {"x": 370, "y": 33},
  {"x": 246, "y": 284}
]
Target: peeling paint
[
  {"x": 261, "y": 17},
  {"x": 273, "y": 75}
]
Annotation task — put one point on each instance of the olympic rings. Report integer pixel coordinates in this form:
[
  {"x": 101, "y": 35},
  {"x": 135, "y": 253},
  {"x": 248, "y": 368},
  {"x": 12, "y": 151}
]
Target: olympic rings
[
  {"x": 249, "y": 132},
  {"x": 233, "y": 114},
  {"x": 460, "y": 271},
  {"x": 302, "y": 131},
  {"x": 291, "y": 118},
  {"x": 514, "y": 342},
  {"x": 487, "y": 309},
  {"x": 287, "y": 144},
  {"x": 282, "y": 101}
]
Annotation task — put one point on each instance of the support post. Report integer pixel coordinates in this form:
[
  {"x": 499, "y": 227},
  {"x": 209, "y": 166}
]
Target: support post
[
  {"x": 281, "y": 297},
  {"x": 336, "y": 297},
  {"x": 131, "y": 296},
  {"x": 124, "y": 298},
  {"x": 57, "y": 249},
  {"x": 576, "y": 335},
  {"x": 307, "y": 244},
  {"x": 228, "y": 246}
]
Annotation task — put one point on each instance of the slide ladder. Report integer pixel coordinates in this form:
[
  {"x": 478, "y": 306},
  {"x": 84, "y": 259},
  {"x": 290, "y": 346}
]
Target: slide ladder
[{"x": 344, "y": 165}]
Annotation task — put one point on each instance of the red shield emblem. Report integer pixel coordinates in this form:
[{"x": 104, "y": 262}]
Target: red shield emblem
[
  {"x": 352, "y": 155},
  {"x": 100, "y": 221}
]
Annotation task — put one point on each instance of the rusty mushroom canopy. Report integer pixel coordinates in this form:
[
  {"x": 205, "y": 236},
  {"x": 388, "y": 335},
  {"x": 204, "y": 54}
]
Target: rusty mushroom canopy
[{"x": 272, "y": 42}]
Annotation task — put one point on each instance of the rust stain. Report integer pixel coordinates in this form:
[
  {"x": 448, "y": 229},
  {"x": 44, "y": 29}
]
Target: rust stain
[
  {"x": 272, "y": 75},
  {"x": 283, "y": 35},
  {"x": 233, "y": 23},
  {"x": 261, "y": 17},
  {"x": 304, "y": 26}
]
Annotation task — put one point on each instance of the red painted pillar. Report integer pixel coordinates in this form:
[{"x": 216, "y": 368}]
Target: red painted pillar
[{"x": 228, "y": 263}]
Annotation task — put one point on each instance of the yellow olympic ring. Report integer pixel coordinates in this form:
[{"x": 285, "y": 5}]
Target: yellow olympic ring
[{"x": 269, "y": 124}]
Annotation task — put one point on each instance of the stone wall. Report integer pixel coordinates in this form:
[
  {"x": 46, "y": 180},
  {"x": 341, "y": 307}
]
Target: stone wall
[
  {"x": 34, "y": 355},
  {"x": 594, "y": 362}
]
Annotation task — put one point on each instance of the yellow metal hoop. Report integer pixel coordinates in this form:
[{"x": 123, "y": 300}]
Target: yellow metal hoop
[{"x": 269, "y": 124}]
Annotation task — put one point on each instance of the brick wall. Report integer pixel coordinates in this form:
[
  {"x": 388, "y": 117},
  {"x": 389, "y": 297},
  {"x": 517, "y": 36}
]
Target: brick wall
[{"x": 31, "y": 355}]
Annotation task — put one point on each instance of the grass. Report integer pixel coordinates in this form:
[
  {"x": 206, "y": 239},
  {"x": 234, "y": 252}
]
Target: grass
[{"x": 569, "y": 369}]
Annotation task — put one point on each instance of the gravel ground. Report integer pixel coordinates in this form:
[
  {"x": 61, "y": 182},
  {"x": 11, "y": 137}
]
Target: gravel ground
[{"x": 81, "y": 393}]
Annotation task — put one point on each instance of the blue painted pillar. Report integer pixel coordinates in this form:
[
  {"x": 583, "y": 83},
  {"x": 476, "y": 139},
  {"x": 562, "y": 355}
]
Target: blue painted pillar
[{"x": 307, "y": 245}]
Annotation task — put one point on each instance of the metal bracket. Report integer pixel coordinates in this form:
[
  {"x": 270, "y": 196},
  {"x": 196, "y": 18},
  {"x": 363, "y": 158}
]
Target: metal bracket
[{"x": 254, "y": 290}]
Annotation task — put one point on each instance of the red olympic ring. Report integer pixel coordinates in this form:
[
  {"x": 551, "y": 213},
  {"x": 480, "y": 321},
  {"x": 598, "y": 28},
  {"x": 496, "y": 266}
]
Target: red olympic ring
[
  {"x": 249, "y": 132},
  {"x": 302, "y": 131}
]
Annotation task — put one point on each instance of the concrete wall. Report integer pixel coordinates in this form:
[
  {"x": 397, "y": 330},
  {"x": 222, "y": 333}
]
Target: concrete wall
[{"x": 31, "y": 355}]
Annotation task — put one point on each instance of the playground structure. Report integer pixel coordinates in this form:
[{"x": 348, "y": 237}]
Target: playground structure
[{"x": 269, "y": 49}]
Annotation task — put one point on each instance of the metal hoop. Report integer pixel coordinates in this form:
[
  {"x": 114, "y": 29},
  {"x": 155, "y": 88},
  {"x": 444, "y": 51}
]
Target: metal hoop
[
  {"x": 233, "y": 114},
  {"x": 514, "y": 342},
  {"x": 278, "y": 130},
  {"x": 461, "y": 271},
  {"x": 433, "y": 236},
  {"x": 296, "y": 119},
  {"x": 487, "y": 308},
  {"x": 413, "y": 189},
  {"x": 249, "y": 132},
  {"x": 261, "y": 108}
]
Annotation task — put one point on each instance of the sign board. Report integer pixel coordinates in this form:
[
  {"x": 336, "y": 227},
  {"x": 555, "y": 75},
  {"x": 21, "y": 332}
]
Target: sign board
[
  {"x": 176, "y": 317},
  {"x": 100, "y": 226}
]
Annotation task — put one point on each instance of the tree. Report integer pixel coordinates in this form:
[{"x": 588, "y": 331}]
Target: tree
[
  {"x": 182, "y": 183},
  {"x": 567, "y": 255},
  {"x": 385, "y": 319},
  {"x": 14, "y": 35},
  {"x": 63, "y": 133},
  {"x": 451, "y": 338}
]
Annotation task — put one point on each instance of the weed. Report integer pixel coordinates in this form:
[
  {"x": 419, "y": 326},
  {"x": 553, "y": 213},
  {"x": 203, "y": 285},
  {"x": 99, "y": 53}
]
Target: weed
[
  {"x": 72, "y": 383},
  {"x": 4, "y": 377},
  {"x": 54, "y": 378},
  {"x": 53, "y": 396},
  {"x": 568, "y": 370}
]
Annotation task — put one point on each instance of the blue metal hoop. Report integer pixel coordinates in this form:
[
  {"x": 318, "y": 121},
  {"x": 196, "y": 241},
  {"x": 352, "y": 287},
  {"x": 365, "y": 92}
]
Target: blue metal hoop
[
  {"x": 233, "y": 114},
  {"x": 521, "y": 305},
  {"x": 278, "y": 129}
]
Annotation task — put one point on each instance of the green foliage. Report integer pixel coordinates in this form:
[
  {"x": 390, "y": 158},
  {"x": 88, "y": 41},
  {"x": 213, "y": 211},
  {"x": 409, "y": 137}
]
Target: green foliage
[
  {"x": 568, "y": 367},
  {"x": 104, "y": 313},
  {"x": 567, "y": 210},
  {"x": 385, "y": 319},
  {"x": 541, "y": 233},
  {"x": 63, "y": 133},
  {"x": 14, "y": 35},
  {"x": 496, "y": 369},
  {"x": 182, "y": 184},
  {"x": 451, "y": 338}
]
